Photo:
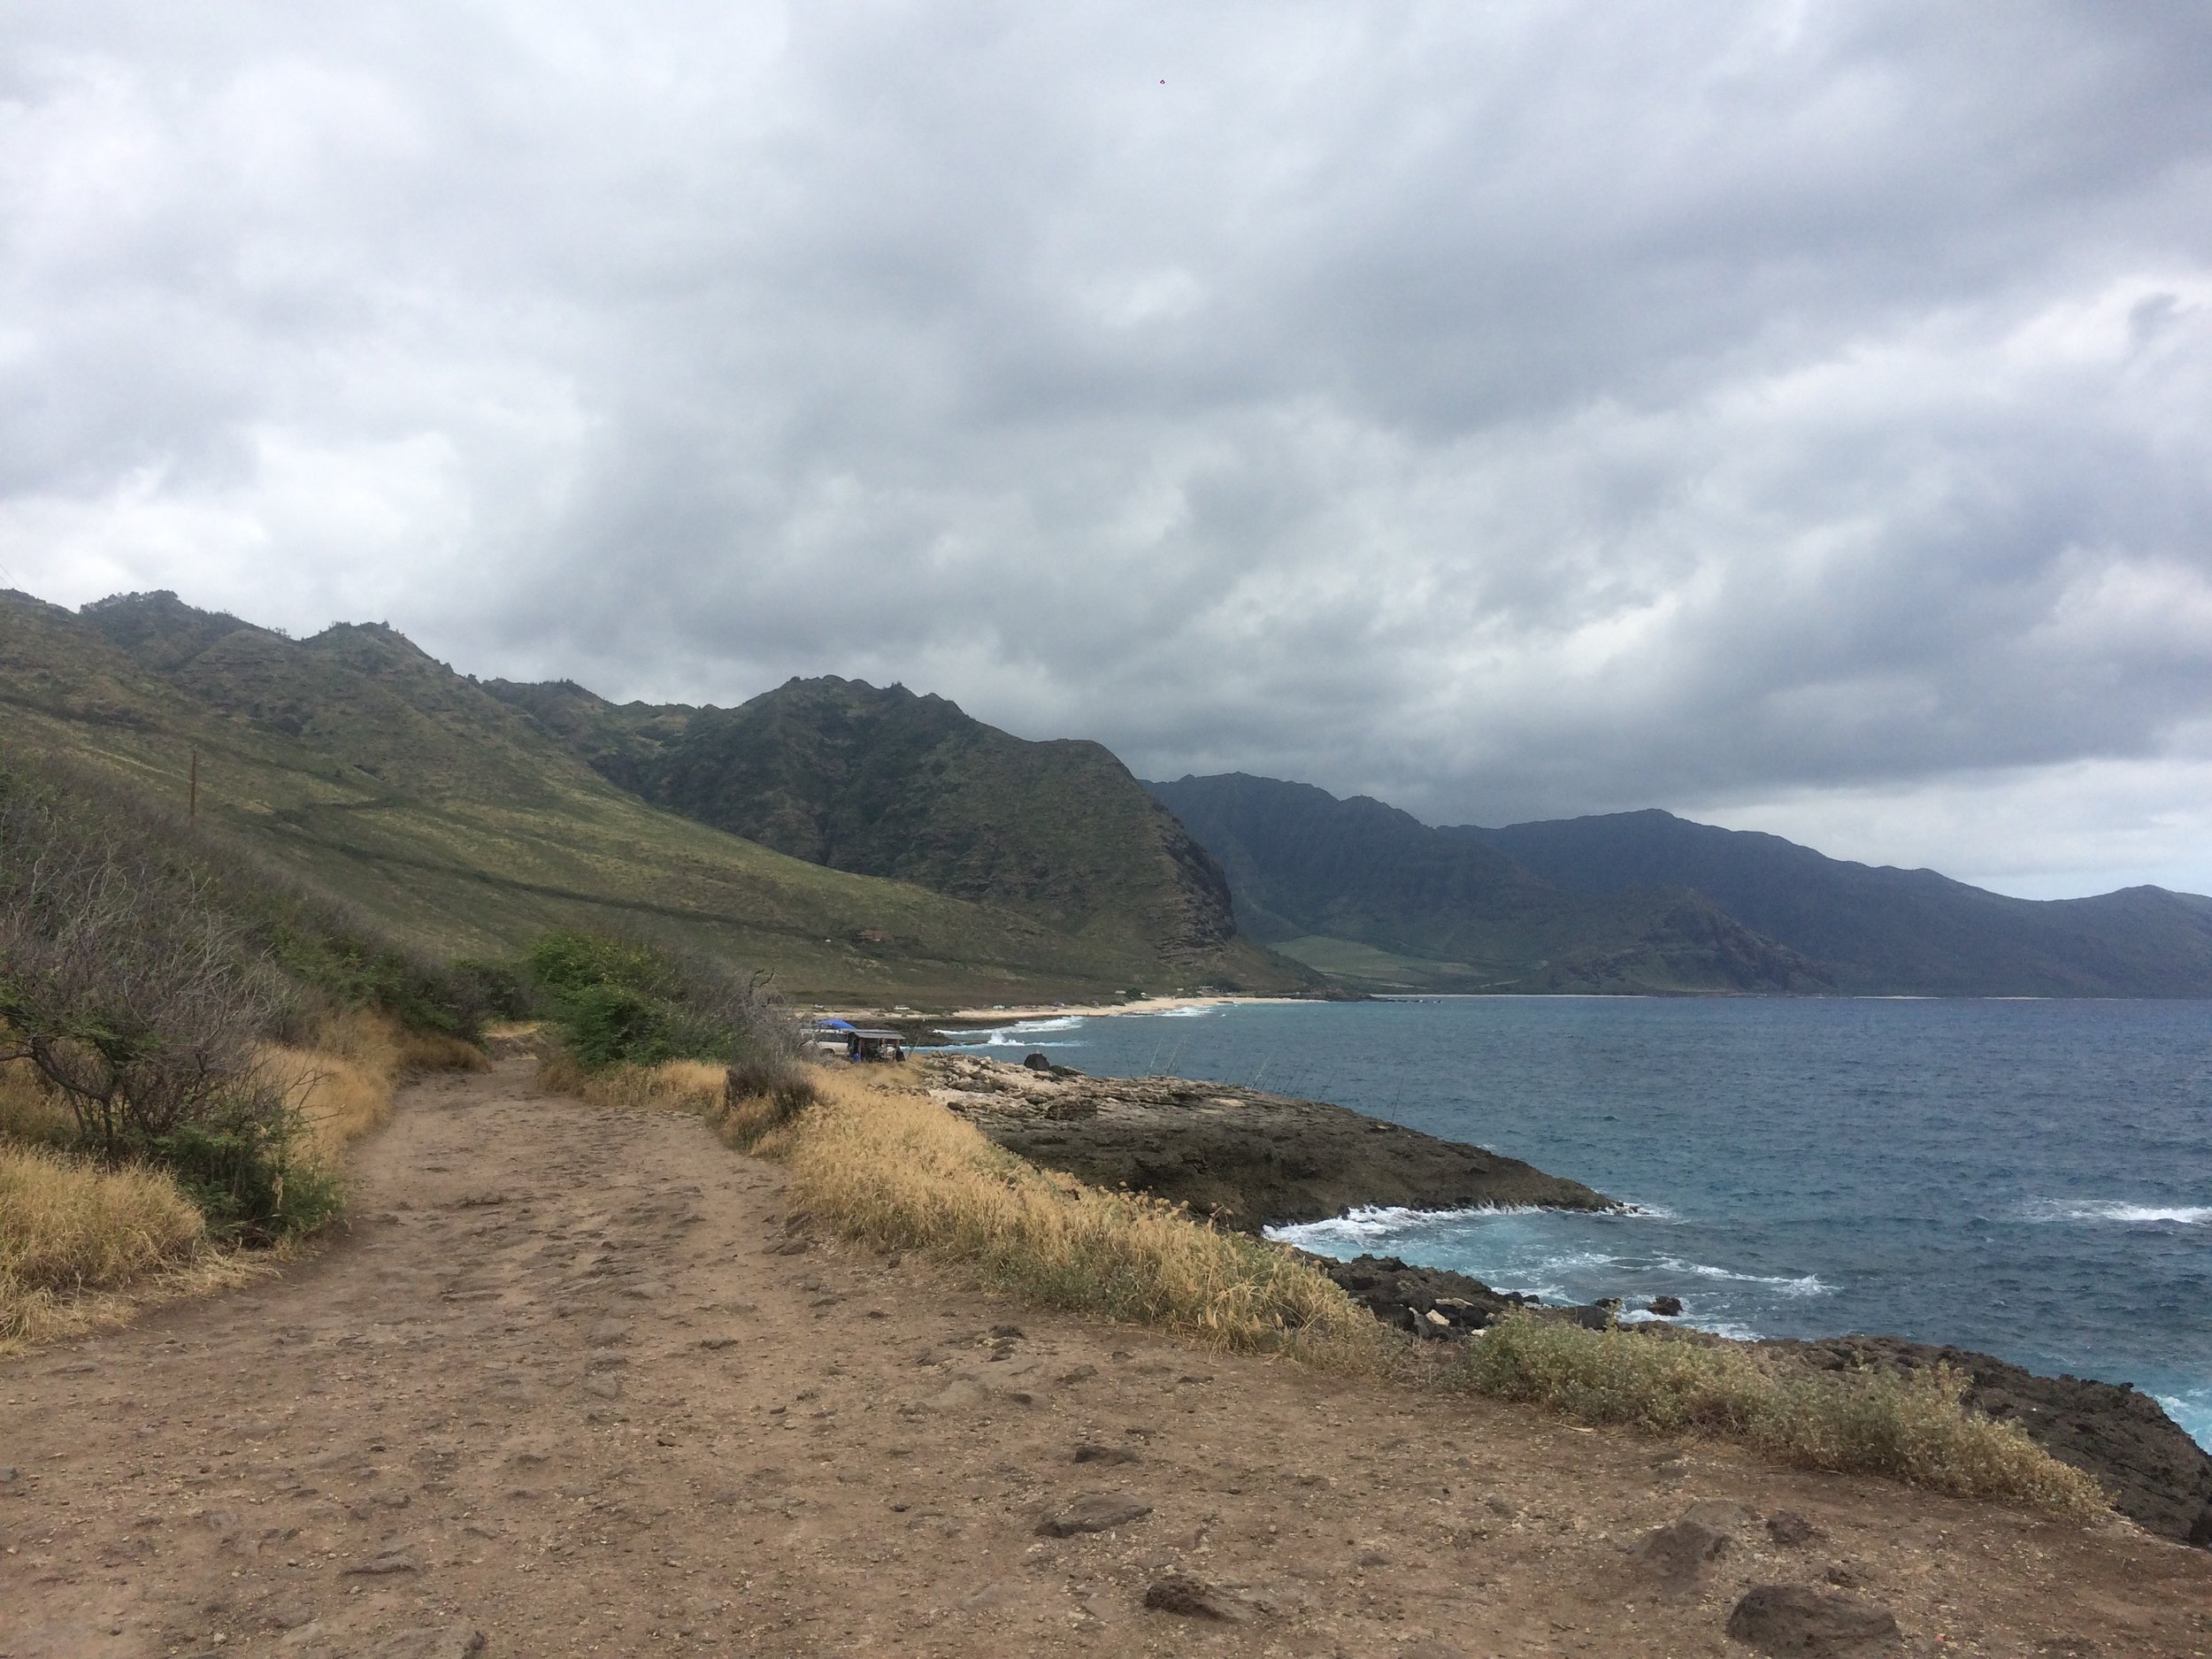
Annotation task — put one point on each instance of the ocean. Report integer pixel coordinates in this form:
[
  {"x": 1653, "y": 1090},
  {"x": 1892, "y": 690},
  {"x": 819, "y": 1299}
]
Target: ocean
[{"x": 2030, "y": 1179}]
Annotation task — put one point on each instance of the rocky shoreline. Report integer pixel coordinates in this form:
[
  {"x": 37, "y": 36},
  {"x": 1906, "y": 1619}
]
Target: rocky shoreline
[
  {"x": 1251, "y": 1160},
  {"x": 1247, "y": 1159}
]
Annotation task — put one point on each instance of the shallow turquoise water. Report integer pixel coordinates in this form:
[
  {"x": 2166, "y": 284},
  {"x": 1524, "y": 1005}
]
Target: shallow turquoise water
[{"x": 2030, "y": 1179}]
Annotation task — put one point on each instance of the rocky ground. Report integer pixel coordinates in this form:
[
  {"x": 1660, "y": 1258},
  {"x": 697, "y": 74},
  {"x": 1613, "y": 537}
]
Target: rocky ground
[
  {"x": 1250, "y": 1159},
  {"x": 577, "y": 1382}
]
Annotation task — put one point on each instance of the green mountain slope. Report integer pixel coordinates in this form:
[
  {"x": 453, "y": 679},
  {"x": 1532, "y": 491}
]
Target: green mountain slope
[
  {"x": 887, "y": 783},
  {"x": 366, "y": 768},
  {"x": 1885, "y": 929},
  {"x": 1375, "y": 898}
]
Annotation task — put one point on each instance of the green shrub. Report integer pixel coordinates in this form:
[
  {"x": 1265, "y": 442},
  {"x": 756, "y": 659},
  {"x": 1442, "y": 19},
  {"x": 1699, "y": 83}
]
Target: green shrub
[
  {"x": 249, "y": 1176},
  {"x": 623, "y": 1002},
  {"x": 612, "y": 1025},
  {"x": 500, "y": 990}
]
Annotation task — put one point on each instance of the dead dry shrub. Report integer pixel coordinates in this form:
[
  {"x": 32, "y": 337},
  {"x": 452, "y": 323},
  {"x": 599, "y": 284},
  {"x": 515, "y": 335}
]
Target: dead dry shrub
[
  {"x": 760, "y": 1095},
  {"x": 136, "y": 999},
  {"x": 1912, "y": 1429},
  {"x": 439, "y": 1051}
]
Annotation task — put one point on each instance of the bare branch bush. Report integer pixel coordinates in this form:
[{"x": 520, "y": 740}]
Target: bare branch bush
[
  {"x": 118, "y": 981},
  {"x": 142, "y": 1004}
]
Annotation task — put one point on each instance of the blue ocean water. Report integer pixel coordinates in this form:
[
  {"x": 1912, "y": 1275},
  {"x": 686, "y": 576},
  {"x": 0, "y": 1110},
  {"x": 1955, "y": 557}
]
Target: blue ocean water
[{"x": 2030, "y": 1179}]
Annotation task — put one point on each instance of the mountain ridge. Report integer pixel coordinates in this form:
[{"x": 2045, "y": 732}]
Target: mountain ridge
[
  {"x": 360, "y": 764},
  {"x": 1445, "y": 913},
  {"x": 888, "y": 782}
]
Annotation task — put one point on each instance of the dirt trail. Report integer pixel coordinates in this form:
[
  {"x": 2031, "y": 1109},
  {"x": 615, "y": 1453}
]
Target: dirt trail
[{"x": 563, "y": 1390}]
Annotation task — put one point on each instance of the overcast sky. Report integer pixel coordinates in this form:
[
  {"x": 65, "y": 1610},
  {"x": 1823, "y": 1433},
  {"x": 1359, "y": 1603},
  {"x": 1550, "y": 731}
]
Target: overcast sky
[{"x": 1796, "y": 416}]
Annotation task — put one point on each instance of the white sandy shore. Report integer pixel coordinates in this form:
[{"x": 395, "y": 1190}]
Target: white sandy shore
[{"x": 1012, "y": 1012}]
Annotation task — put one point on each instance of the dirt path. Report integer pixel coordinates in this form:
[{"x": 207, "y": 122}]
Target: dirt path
[{"x": 563, "y": 1391}]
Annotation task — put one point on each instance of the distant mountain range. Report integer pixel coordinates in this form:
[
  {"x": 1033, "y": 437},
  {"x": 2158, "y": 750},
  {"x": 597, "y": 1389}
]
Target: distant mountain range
[
  {"x": 875, "y": 843},
  {"x": 1374, "y": 898},
  {"x": 1649, "y": 901},
  {"x": 1881, "y": 929}
]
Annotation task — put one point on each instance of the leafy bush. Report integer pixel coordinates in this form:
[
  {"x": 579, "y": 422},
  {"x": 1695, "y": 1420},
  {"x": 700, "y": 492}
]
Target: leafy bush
[
  {"x": 624, "y": 1003},
  {"x": 249, "y": 1177}
]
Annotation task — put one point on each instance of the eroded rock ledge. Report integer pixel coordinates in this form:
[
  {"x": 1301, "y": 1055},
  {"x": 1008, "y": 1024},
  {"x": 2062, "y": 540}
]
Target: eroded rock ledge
[{"x": 1249, "y": 1159}]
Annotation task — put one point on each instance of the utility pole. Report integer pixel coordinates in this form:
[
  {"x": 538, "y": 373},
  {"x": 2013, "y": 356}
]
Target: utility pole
[{"x": 192, "y": 800}]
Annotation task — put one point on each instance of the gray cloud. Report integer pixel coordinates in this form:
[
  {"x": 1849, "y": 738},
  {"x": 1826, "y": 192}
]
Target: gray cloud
[{"x": 1793, "y": 415}]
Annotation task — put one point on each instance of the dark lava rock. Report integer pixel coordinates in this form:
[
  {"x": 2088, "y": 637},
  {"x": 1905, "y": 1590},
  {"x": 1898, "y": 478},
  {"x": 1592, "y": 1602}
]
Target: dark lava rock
[
  {"x": 1251, "y": 1160},
  {"x": 1091, "y": 1453},
  {"x": 1787, "y": 1619},
  {"x": 1404, "y": 1295},
  {"x": 1192, "y": 1598},
  {"x": 1679, "y": 1552},
  {"x": 1665, "y": 1307},
  {"x": 1791, "y": 1529},
  {"x": 1094, "y": 1512},
  {"x": 2154, "y": 1474}
]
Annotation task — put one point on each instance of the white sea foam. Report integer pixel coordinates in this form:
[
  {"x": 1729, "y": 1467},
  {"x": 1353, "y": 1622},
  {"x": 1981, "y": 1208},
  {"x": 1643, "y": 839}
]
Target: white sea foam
[
  {"x": 2117, "y": 1210},
  {"x": 1782, "y": 1284},
  {"x": 2193, "y": 1413},
  {"x": 1375, "y": 1221},
  {"x": 1026, "y": 1033}
]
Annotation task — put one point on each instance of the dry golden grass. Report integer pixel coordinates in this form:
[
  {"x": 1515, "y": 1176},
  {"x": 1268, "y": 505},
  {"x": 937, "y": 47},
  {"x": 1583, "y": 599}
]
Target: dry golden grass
[
  {"x": 1911, "y": 1429},
  {"x": 870, "y": 1154},
  {"x": 81, "y": 1246},
  {"x": 28, "y": 1112},
  {"x": 344, "y": 1081},
  {"x": 684, "y": 1086},
  {"x": 886, "y": 1164}
]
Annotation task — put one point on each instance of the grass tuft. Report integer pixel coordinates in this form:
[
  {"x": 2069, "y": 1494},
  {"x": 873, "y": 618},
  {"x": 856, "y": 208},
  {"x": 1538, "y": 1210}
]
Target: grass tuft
[
  {"x": 80, "y": 1245},
  {"x": 682, "y": 1086},
  {"x": 343, "y": 1080},
  {"x": 72, "y": 1234},
  {"x": 28, "y": 1110},
  {"x": 1911, "y": 1428},
  {"x": 892, "y": 1167}
]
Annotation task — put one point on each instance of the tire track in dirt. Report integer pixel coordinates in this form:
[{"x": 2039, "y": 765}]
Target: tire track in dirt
[{"x": 571, "y": 1385}]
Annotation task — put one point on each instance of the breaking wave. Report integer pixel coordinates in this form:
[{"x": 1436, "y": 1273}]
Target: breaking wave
[{"x": 2118, "y": 1210}]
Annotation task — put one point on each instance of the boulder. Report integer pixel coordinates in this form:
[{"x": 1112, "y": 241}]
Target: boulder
[
  {"x": 1094, "y": 1512},
  {"x": 1678, "y": 1554},
  {"x": 1787, "y": 1620}
]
